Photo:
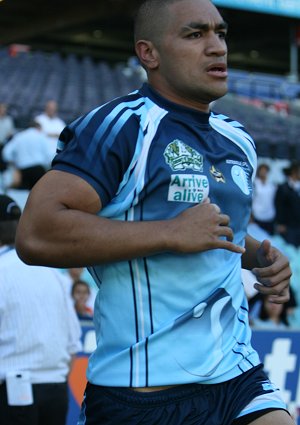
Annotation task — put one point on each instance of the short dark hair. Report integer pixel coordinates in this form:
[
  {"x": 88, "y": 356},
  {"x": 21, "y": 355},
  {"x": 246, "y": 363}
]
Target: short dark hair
[
  {"x": 79, "y": 282},
  {"x": 150, "y": 20},
  {"x": 263, "y": 165},
  {"x": 294, "y": 167}
]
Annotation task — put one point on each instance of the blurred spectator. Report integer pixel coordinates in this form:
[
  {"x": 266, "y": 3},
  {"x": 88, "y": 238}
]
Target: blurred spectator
[
  {"x": 51, "y": 124},
  {"x": 7, "y": 127},
  {"x": 40, "y": 334},
  {"x": 249, "y": 279},
  {"x": 29, "y": 154},
  {"x": 75, "y": 273},
  {"x": 81, "y": 273},
  {"x": 80, "y": 294},
  {"x": 271, "y": 315},
  {"x": 258, "y": 307},
  {"x": 287, "y": 202},
  {"x": 263, "y": 205}
]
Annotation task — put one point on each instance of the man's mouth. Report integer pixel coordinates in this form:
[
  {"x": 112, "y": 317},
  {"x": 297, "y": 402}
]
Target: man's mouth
[{"x": 217, "y": 70}]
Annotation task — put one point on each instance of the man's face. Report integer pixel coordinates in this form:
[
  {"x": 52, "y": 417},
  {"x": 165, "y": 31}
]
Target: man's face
[
  {"x": 192, "y": 67},
  {"x": 2, "y": 109},
  {"x": 51, "y": 109},
  {"x": 81, "y": 294}
]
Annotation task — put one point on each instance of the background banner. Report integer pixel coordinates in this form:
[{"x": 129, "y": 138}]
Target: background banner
[{"x": 277, "y": 7}]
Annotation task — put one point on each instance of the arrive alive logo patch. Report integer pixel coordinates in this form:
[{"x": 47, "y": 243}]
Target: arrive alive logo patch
[{"x": 193, "y": 188}]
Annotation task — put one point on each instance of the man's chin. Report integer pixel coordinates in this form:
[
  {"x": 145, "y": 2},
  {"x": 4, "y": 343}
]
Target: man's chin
[{"x": 218, "y": 93}]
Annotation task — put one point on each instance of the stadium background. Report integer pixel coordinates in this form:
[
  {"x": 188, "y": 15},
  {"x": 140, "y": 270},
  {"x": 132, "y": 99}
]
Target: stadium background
[
  {"x": 78, "y": 53},
  {"x": 47, "y": 48},
  {"x": 103, "y": 30}
]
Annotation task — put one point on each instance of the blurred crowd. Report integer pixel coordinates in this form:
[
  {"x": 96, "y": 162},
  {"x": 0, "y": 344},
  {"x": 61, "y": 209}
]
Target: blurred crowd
[
  {"x": 26, "y": 154},
  {"x": 42, "y": 310},
  {"x": 276, "y": 216},
  {"x": 40, "y": 333}
]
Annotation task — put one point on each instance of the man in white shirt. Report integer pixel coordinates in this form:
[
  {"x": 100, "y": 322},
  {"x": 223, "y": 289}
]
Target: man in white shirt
[
  {"x": 40, "y": 334},
  {"x": 263, "y": 202},
  {"x": 51, "y": 124},
  {"x": 7, "y": 127},
  {"x": 29, "y": 153}
]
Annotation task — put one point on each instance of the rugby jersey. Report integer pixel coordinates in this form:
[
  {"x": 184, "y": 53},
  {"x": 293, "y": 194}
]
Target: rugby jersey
[{"x": 168, "y": 318}]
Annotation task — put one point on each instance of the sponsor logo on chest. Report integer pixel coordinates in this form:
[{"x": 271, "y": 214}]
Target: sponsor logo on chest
[{"x": 192, "y": 188}]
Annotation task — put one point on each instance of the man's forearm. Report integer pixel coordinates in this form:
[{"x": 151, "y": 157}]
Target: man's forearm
[
  {"x": 60, "y": 227},
  {"x": 76, "y": 238}
]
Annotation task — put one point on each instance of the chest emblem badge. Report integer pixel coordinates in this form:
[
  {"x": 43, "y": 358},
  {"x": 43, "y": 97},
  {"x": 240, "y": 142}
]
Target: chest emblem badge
[
  {"x": 180, "y": 156},
  {"x": 217, "y": 175}
]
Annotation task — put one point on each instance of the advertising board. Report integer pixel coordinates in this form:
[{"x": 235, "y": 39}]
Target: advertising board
[{"x": 289, "y": 8}]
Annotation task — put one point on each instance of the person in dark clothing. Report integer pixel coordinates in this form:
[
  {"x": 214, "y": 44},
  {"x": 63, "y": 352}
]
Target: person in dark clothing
[{"x": 287, "y": 203}]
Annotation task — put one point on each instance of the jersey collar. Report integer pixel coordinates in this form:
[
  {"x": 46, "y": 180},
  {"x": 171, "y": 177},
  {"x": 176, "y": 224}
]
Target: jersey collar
[{"x": 189, "y": 114}]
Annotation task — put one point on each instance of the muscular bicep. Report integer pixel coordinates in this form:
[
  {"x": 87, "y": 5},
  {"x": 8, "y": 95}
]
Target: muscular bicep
[
  {"x": 58, "y": 189},
  {"x": 53, "y": 213}
]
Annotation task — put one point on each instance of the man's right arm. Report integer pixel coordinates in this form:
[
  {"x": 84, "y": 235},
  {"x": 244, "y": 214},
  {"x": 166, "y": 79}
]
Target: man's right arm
[{"x": 60, "y": 227}]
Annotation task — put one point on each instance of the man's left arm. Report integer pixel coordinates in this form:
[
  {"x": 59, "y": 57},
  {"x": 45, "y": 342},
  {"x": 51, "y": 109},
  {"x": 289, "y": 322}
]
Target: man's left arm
[{"x": 271, "y": 268}]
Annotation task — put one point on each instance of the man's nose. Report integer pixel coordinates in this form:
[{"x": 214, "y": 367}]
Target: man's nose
[{"x": 216, "y": 46}]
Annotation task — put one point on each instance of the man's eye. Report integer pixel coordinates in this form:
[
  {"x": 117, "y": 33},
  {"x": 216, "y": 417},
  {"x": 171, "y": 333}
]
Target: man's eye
[
  {"x": 222, "y": 35},
  {"x": 197, "y": 34}
]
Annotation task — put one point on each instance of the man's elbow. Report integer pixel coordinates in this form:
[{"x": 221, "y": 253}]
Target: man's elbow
[
  {"x": 26, "y": 253},
  {"x": 27, "y": 248}
]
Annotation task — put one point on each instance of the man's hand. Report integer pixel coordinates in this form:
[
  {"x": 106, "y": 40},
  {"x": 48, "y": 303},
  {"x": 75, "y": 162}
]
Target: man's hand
[
  {"x": 273, "y": 274},
  {"x": 201, "y": 228}
]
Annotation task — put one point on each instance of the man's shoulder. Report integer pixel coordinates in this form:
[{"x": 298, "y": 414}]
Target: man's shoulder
[
  {"x": 59, "y": 121},
  {"x": 132, "y": 102},
  {"x": 39, "y": 117},
  {"x": 225, "y": 120},
  {"x": 230, "y": 127},
  {"x": 117, "y": 112}
]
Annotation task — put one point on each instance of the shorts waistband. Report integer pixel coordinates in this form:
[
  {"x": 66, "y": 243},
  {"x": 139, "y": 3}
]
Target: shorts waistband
[
  {"x": 172, "y": 394},
  {"x": 152, "y": 389}
]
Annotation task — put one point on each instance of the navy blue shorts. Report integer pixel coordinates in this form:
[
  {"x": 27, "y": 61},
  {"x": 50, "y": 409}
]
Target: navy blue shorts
[{"x": 235, "y": 402}]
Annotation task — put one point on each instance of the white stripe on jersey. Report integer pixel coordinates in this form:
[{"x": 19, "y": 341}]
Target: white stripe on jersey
[
  {"x": 133, "y": 183},
  {"x": 242, "y": 139}
]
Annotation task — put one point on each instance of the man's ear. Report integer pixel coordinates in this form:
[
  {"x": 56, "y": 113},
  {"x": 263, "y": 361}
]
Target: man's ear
[{"x": 147, "y": 54}]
